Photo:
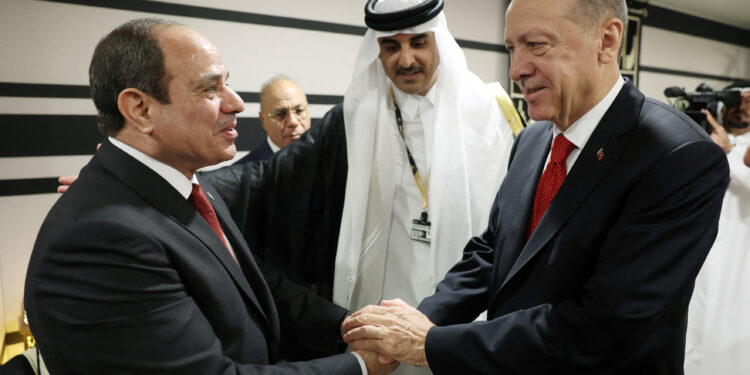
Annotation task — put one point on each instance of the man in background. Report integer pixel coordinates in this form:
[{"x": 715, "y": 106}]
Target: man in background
[
  {"x": 138, "y": 268},
  {"x": 717, "y": 341},
  {"x": 609, "y": 207},
  {"x": 284, "y": 115}
]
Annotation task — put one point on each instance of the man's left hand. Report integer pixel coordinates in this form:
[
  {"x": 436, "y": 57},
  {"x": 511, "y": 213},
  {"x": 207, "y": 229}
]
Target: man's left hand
[{"x": 393, "y": 329}]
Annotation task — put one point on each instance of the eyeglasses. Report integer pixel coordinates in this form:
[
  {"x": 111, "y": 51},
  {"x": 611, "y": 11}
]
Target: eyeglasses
[{"x": 280, "y": 114}]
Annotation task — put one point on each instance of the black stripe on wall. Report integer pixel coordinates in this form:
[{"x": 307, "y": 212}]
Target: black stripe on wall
[
  {"x": 668, "y": 19},
  {"x": 57, "y": 135},
  {"x": 249, "y": 18},
  {"x": 683, "y": 73},
  {"x": 33, "y": 90},
  {"x": 28, "y": 186}
]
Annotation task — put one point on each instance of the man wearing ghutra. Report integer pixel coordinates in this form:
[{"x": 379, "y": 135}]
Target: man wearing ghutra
[{"x": 428, "y": 148}]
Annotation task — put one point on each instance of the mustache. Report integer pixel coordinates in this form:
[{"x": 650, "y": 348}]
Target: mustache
[{"x": 413, "y": 68}]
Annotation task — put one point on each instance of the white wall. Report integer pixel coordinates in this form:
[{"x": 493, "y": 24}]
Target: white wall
[{"x": 51, "y": 43}]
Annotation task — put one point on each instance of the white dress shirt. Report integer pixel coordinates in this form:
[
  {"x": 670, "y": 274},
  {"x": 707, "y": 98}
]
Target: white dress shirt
[
  {"x": 179, "y": 182},
  {"x": 580, "y": 131}
]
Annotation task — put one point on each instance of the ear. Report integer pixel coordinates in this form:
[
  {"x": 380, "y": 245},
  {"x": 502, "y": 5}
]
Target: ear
[
  {"x": 611, "y": 39},
  {"x": 135, "y": 107}
]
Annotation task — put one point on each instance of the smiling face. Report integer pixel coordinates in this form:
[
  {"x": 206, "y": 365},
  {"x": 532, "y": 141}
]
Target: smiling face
[
  {"x": 410, "y": 61},
  {"x": 197, "y": 127},
  {"x": 554, "y": 60},
  {"x": 284, "y": 112}
]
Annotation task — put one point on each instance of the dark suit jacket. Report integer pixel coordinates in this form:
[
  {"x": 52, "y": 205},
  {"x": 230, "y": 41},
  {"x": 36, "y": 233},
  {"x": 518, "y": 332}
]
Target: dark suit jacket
[
  {"x": 127, "y": 278},
  {"x": 289, "y": 206},
  {"x": 603, "y": 284},
  {"x": 262, "y": 152}
]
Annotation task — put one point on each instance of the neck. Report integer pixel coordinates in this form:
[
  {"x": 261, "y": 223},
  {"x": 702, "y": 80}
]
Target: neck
[
  {"x": 148, "y": 146},
  {"x": 602, "y": 85}
]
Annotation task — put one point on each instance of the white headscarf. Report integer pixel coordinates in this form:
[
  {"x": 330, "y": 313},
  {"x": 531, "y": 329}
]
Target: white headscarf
[{"x": 471, "y": 144}]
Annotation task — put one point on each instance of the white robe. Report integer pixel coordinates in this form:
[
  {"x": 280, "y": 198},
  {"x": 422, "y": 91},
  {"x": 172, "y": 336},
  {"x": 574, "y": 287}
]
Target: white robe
[{"x": 718, "y": 335}]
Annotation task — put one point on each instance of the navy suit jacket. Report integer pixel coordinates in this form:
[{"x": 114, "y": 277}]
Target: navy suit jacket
[
  {"x": 262, "y": 152},
  {"x": 127, "y": 278},
  {"x": 604, "y": 282}
]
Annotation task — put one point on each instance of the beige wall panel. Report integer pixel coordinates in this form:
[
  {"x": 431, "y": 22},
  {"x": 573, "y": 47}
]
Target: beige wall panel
[{"x": 677, "y": 51}]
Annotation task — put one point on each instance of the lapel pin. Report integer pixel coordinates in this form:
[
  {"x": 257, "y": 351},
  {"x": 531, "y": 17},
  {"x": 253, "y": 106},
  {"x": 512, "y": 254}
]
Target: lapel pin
[
  {"x": 600, "y": 154},
  {"x": 212, "y": 197}
]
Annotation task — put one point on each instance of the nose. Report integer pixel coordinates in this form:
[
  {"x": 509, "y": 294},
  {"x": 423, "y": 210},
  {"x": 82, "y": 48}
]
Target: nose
[
  {"x": 232, "y": 103},
  {"x": 406, "y": 57},
  {"x": 292, "y": 120},
  {"x": 520, "y": 68}
]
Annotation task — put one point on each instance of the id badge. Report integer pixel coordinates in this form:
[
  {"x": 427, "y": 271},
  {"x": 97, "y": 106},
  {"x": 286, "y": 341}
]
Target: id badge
[{"x": 421, "y": 229}]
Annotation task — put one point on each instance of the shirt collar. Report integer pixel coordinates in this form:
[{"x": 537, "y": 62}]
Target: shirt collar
[
  {"x": 411, "y": 105},
  {"x": 171, "y": 175},
  {"x": 272, "y": 145},
  {"x": 580, "y": 131}
]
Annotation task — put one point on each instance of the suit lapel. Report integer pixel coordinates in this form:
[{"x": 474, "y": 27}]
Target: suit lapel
[
  {"x": 159, "y": 193},
  {"x": 586, "y": 173},
  {"x": 252, "y": 274}
]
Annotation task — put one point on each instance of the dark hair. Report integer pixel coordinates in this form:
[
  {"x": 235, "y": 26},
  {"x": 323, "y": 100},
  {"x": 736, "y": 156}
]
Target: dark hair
[{"x": 128, "y": 57}]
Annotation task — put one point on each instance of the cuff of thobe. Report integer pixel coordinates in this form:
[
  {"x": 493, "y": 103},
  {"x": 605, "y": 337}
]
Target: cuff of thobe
[{"x": 361, "y": 362}]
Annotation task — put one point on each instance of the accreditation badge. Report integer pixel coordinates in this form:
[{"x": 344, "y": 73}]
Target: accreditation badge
[{"x": 421, "y": 229}]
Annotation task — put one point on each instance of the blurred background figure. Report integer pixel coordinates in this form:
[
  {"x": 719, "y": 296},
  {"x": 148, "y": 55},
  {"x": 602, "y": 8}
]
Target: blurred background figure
[
  {"x": 284, "y": 114},
  {"x": 718, "y": 337}
]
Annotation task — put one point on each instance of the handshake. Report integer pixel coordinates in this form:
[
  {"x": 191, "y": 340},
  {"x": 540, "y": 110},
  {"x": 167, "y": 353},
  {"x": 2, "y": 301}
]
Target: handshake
[{"x": 387, "y": 335}]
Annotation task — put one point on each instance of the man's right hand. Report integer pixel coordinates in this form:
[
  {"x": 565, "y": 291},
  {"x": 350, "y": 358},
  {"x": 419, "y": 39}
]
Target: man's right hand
[
  {"x": 65, "y": 182},
  {"x": 376, "y": 366},
  {"x": 718, "y": 133}
]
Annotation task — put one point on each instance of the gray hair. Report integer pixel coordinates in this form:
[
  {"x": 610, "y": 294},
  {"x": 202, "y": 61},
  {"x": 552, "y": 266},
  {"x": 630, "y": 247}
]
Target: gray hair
[
  {"x": 128, "y": 57},
  {"x": 592, "y": 12}
]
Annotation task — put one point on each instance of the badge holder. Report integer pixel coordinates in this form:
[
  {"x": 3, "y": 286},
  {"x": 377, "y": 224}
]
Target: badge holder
[{"x": 421, "y": 229}]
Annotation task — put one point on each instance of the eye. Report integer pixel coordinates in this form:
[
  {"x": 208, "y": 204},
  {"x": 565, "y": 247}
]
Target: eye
[
  {"x": 211, "y": 89},
  {"x": 510, "y": 48}
]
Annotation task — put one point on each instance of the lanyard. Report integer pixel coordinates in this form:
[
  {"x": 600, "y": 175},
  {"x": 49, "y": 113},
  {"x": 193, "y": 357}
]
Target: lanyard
[{"x": 417, "y": 178}]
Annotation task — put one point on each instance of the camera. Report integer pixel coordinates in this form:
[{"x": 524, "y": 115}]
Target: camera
[{"x": 704, "y": 97}]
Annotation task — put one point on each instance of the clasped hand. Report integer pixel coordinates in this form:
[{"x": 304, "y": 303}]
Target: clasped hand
[{"x": 394, "y": 329}]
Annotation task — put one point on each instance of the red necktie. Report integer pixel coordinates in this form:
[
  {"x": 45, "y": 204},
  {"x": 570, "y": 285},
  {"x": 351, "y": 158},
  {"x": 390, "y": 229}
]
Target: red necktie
[
  {"x": 552, "y": 177},
  {"x": 198, "y": 199}
]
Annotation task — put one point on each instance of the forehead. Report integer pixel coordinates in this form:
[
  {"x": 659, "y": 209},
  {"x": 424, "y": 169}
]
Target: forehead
[
  {"x": 523, "y": 16},
  {"x": 188, "y": 54},
  {"x": 282, "y": 94}
]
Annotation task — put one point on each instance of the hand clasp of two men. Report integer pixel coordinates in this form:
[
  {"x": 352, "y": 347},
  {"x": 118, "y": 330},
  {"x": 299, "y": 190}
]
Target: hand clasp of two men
[{"x": 394, "y": 330}]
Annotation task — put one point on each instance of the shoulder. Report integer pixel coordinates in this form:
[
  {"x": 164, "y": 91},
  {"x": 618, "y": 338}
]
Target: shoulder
[{"x": 665, "y": 121}]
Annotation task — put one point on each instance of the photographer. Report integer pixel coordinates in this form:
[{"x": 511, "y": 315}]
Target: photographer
[{"x": 718, "y": 339}]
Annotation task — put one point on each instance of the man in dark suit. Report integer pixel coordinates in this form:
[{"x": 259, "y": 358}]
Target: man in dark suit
[
  {"x": 138, "y": 268},
  {"x": 595, "y": 238},
  {"x": 284, "y": 114}
]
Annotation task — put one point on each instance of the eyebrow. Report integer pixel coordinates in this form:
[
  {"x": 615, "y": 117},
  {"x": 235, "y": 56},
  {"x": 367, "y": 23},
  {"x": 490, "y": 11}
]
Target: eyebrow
[
  {"x": 210, "y": 78},
  {"x": 386, "y": 39}
]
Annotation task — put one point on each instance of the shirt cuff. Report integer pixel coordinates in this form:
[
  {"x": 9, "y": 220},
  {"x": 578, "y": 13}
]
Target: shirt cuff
[{"x": 361, "y": 362}]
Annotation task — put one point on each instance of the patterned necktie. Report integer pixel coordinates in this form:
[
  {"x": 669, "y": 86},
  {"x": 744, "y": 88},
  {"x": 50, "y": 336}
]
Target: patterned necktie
[
  {"x": 552, "y": 177},
  {"x": 199, "y": 200}
]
